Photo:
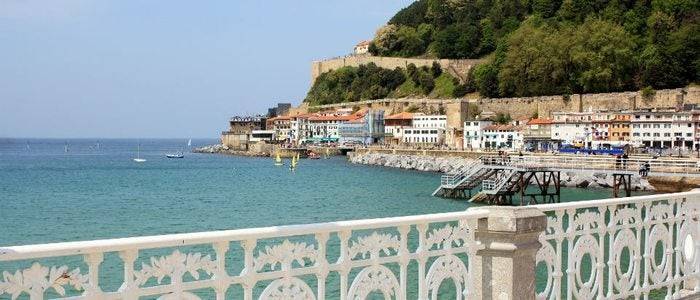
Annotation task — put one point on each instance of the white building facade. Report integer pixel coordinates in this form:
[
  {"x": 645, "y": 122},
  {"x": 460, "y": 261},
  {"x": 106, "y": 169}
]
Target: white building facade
[{"x": 426, "y": 129}]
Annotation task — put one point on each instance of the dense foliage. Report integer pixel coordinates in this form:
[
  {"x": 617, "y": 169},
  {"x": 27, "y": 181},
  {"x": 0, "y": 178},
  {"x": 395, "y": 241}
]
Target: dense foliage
[
  {"x": 545, "y": 47},
  {"x": 367, "y": 82}
]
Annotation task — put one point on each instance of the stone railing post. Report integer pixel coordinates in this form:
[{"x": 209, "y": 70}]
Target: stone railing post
[{"x": 507, "y": 241}]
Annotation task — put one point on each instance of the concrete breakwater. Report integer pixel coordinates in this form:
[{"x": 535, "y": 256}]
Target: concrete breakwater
[{"x": 582, "y": 179}]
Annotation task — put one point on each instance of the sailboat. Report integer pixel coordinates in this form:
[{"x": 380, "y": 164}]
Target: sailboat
[
  {"x": 138, "y": 158},
  {"x": 278, "y": 160},
  {"x": 66, "y": 148},
  {"x": 189, "y": 143},
  {"x": 293, "y": 165}
]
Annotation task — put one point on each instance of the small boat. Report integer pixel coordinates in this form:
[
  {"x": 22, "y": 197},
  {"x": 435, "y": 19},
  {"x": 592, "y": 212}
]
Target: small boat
[
  {"x": 138, "y": 158},
  {"x": 278, "y": 160},
  {"x": 175, "y": 155},
  {"x": 313, "y": 155}
]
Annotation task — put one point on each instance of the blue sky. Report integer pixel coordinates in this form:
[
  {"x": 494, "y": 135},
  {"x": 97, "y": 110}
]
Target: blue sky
[{"x": 164, "y": 68}]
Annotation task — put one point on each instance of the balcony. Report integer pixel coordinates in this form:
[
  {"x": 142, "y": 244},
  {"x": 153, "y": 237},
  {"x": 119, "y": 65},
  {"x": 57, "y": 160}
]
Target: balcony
[{"x": 635, "y": 247}]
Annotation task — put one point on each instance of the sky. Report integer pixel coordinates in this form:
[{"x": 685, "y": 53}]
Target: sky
[{"x": 165, "y": 68}]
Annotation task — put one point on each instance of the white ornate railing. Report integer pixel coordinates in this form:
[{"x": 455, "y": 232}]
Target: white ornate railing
[
  {"x": 356, "y": 258},
  {"x": 637, "y": 247},
  {"x": 621, "y": 248}
]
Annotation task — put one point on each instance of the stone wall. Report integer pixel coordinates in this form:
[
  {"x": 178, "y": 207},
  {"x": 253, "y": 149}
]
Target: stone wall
[
  {"x": 456, "y": 67},
  {"x": 544, "y": 106}
]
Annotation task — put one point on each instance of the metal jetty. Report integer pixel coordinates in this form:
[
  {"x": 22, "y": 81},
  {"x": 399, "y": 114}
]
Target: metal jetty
[{"x": 536, "y": 179}]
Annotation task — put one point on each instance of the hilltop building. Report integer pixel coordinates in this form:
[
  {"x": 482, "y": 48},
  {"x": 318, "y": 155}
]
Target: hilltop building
[
  {"x": 281, "y": 109},
  {"x": 361, "y": 48}
]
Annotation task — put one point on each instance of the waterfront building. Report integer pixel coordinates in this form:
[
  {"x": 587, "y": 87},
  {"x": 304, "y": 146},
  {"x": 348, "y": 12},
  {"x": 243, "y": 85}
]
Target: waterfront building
[
  {"x": 366, "y": 128},
  {"x": 324, "y": 127},
  {"x": 537, "y": 134},
  {"x": 474, "y": 132},
  {"x": 282, "y": 127},
  {"x": 300, "y": 128},
  {"x": 502, "y": 137},
  {"x": 620, "y": 129},
  {"x": 426, "y": 129},
  {"x": 394, "y": 126},
  {"x": 572, "y": 128},
  {"x": 262, "y": 136},
  {"x": 240, "y": 128},
  {"x": 662, "y": 128}
]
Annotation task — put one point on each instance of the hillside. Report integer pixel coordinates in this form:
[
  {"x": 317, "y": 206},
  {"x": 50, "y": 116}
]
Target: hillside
[
  {"x": 368, "y": 81},
  {"x": 551, "y": 47}
]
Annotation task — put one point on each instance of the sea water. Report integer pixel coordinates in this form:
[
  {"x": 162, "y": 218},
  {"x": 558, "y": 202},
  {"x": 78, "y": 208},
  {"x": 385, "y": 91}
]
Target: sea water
[{"x": 56, "y": 190}]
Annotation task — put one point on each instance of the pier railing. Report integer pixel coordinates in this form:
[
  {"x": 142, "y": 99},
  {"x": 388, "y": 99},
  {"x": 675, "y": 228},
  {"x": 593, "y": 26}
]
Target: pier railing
[
  {"x": 663, "y": 167},
  {"x": 614, "y": 249}
]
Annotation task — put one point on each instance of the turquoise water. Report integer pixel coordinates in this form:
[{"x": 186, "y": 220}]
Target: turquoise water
[{"x": 49, "y": 195}]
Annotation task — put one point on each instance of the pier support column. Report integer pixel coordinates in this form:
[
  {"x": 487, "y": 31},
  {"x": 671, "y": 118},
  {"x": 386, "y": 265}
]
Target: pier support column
[{"x": 504, "y": 266}]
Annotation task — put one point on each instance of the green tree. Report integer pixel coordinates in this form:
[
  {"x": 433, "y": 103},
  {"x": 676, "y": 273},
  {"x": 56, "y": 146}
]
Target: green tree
[
  {"x": 602, "y": 57},
  {"x": 412, "y": 15},
  {"x": 486, "y": 77},
  {"x": 545, "y": 8}
]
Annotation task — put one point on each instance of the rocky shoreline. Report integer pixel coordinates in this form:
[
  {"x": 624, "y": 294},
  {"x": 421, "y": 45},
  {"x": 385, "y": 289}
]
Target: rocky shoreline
[
  {"x": 582, "y": 179},
  {"x": 221, "y": 149}
]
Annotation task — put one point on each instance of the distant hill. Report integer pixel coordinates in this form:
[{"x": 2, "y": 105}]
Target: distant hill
[{"x": 548, "y": 47}]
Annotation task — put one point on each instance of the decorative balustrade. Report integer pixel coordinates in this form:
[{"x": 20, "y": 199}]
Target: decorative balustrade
[
  {"x": 636, "y": 247},
  {"x": 289, "y": 262},
  {"x": 621, "y": 248}
]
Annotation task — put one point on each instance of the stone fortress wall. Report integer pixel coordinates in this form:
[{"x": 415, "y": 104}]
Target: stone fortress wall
[
  {"x": 456, "y": 67},
  {"x": 544, "y": 106}
]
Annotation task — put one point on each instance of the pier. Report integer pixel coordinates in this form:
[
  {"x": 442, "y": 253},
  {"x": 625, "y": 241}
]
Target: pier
[{"x": 501, "y": 178}]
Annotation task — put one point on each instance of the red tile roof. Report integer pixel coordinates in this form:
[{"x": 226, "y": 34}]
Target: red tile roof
[
  {"x": 400, "y": 116},
  {"x": 540, "y": 121},
  {"x": 502, "y": 127},
  {"x": 331, "y": 118}
]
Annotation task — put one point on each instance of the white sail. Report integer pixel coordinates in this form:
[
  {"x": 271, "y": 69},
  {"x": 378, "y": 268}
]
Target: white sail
[
  {"x": 189, "y": 143},
  {"x": 138, "y": 154}
]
